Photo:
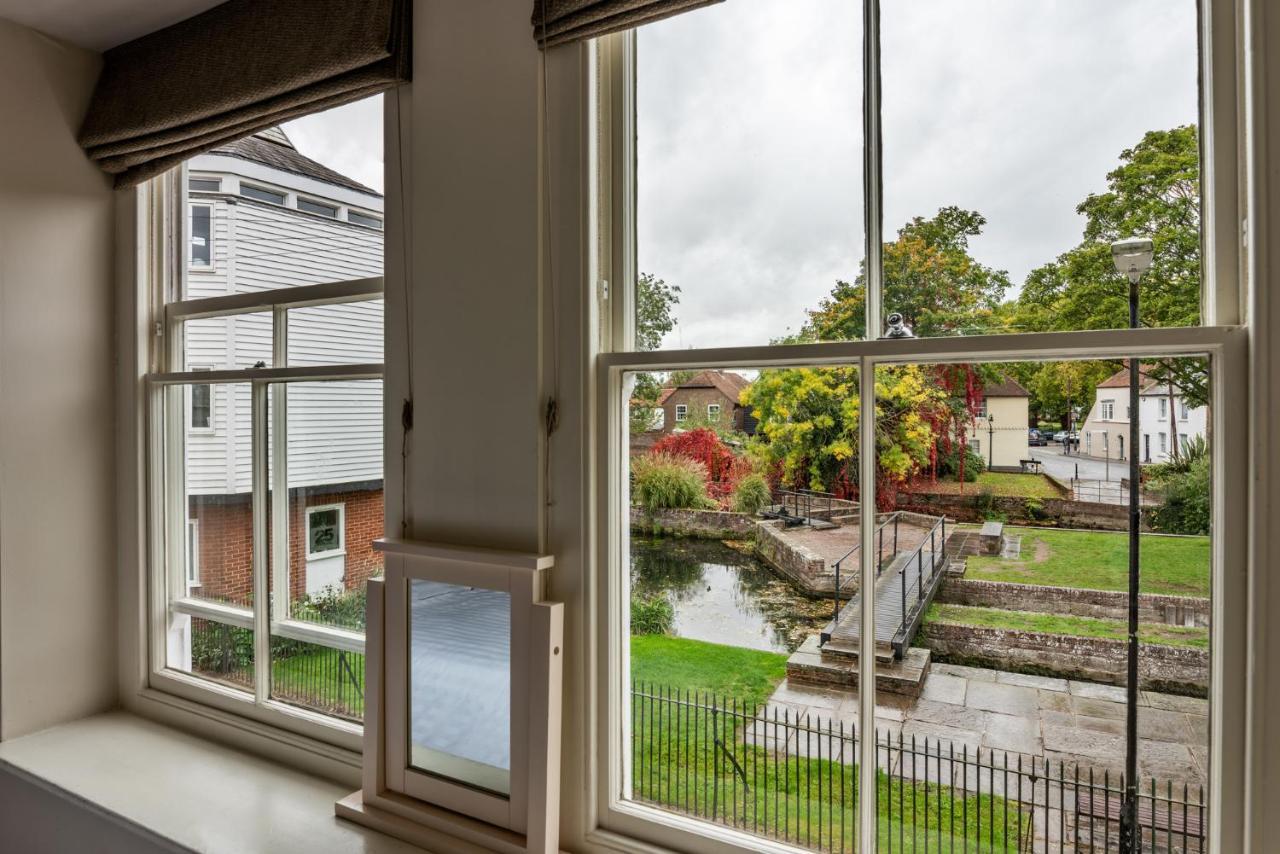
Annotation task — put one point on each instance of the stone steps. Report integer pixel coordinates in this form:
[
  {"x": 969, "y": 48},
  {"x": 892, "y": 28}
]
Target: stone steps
[{"x": 815, "y": 665}]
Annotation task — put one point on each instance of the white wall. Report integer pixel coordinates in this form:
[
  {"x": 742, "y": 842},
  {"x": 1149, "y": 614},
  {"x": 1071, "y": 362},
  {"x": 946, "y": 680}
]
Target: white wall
[{"x": 57, "y": 535}]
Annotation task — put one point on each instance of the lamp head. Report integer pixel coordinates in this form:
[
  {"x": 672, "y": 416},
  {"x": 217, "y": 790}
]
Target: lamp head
[{"x": 1132, "y": 256}]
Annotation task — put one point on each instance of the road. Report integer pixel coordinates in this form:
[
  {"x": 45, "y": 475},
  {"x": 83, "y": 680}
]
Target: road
[{"x": 1063, "y": 466}]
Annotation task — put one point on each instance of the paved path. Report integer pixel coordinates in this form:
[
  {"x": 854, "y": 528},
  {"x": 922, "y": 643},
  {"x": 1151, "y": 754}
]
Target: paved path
[
  {"x": 1063, "y": 466},
  {"x": 1037, "y": 716}
]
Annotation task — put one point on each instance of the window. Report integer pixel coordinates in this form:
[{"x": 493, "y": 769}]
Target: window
[
  {"x": 982, "y": 409},
  {"x": 727, "y": 101},
  {"x": 262, "y": 194},
  {"x": 317, "y": 208},
  {"x": 325, "y": 531},
  {"x": 682, "y": 412},
  {"x": 201, "y": 236},
  {"x": 1164, "y": 443},
  {"x": 204, "y": 185},
  {"x": 1184, "y": 412},
  {"x": 201, "y": 404},
  {"x": 364, "y": 219},
  {"x": 266, "y": 525},
  {"x": 713, "y": 412},
  {"x": 1184, "y": 442},
  {"x": 1163, "y": 404}
]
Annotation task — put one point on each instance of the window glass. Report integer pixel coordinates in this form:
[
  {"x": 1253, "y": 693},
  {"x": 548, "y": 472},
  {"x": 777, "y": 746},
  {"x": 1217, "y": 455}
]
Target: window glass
[
  {"x": 1018, "y": 146},
  {"x": 316, "y": 207},
  {"x": 339, "y": 333},
  {"x": 201, "y": 405},
  {"x": 749, "y": 173},
  {"x": 364, "y": 219},
  {"x": 460, "y": 683},
  {"x": 262, "y": 194},
  {"x": 201, "y": 236},
  {"x": 204, "y": 185}
]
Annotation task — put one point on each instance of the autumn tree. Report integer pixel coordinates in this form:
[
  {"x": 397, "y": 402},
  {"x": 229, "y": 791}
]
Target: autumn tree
[{"x": 655, "y": 317}]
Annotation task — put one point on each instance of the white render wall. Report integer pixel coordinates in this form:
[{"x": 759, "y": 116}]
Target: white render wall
[
  {"x": 335, "y": 429},
  {"x": 1101, "y": 437}
]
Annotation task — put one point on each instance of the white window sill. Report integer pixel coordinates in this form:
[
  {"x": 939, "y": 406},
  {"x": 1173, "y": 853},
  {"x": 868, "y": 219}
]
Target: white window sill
[{"x": 194, "y": 793}]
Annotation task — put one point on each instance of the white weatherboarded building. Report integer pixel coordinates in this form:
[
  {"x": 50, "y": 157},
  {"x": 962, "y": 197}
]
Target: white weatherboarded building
[{"x": 263, "y": 216}]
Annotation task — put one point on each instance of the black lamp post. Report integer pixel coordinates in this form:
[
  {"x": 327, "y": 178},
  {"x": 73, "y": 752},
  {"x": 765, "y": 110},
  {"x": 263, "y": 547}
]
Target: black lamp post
[
  {"x": 991, "y": 443},
  {"x": 1132, "y": 258}
]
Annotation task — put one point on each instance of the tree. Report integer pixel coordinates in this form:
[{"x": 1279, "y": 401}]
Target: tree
[
  {"x": 929, "y": 277},
  {"x": 1154, "y": 191},
  {"x": 655, "y": 317}
]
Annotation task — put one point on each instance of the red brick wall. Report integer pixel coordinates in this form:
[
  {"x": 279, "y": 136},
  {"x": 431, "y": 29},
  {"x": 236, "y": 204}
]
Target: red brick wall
[{"x": 226, "y": 541}]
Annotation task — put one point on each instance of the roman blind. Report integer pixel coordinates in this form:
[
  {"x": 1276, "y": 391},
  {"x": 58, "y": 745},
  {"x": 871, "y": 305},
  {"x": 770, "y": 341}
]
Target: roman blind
[
  {"x": 237, "y": 68},
  {"x": 562, "y": 21}
]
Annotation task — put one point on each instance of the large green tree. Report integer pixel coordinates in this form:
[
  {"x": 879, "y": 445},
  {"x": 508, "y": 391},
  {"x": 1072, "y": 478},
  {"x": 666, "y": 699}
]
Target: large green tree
[
  {"x": 656, "y": 302},
  {"x": 929, "y": 277}
]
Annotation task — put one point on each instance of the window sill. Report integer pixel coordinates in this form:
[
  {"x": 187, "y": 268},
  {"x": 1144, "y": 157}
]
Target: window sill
[{"x": 188, "y": 791}]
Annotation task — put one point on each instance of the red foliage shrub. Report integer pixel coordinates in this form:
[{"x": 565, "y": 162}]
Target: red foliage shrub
[{"x": 724, "y": 467}]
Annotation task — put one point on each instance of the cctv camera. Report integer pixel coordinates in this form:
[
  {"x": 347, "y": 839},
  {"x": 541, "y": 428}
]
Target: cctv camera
[{"x": 897, "y": 327}]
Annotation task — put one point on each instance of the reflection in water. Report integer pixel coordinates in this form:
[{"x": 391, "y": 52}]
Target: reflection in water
[{"x": 724, "y": 595}]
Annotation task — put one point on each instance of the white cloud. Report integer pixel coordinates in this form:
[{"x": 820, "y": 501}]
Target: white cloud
[{"x": 347, "y": 139}]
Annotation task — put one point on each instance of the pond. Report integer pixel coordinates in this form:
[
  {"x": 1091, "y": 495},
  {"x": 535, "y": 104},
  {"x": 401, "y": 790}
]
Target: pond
[{"x": 722, "y": 594}]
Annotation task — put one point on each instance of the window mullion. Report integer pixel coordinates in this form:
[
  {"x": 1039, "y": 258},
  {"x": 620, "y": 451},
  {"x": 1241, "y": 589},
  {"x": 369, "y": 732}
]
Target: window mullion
[
  {"x": 873, "y": 195},
  {"x": 280, "y": 470},
  {"x": 261, "y": 570},
  {"x": 866, "y": 585}
]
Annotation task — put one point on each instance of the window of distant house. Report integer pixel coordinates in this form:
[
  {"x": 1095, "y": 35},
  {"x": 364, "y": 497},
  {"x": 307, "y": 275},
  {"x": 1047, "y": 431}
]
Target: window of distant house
[
  {"x": 325, "y": 530},
  {"x": 201, "y": 236},
  {"x": 317, "y": 208},
  {"x": 1184, "y": 411},
  {"x": 363, "y": 219},
  {"x": 262, "y": 194},
  {"x": 1108, "y": 410},
  {"x": 982, "y": 408},
  {"x": 1164, "y": 443},
  {"x": 682, "y": 412},
  {"x": 201, "y": 404},
  {"x": 713, "y": 412},
  {"x": 204, "y": 185},
  {"x": 1164, "y": 408}
]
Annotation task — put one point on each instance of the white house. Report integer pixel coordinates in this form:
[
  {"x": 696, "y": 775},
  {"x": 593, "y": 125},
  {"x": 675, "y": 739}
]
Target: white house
[
  {"x": 1163, "y": 420},
  {"x": 999, "y": 433},
  {"x": 263, "y": 216}
]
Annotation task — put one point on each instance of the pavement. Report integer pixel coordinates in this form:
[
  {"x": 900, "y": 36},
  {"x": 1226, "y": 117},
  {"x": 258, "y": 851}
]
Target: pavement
[
  {"x": 1098, "y": 481},
  {"x": 1044, "y": 718}
]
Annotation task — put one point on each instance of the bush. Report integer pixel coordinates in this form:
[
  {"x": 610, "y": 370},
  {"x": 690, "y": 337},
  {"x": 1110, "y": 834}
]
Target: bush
[
  {"x": 333, "y": 607},
  {"x": 219, "y": 648},
  {"x": 1186, "y": 503},
  {"x": 654, "y": 616},
  {"x": 751, "y": 494},
  {"x": 664, "y": 482},
  {"x": 949, "y": 463}
]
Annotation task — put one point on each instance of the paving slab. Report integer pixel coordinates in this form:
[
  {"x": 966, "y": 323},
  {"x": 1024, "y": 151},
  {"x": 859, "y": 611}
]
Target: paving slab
[
  {"x": 1055, "y": 701},
  {"x": 1082, "y": 743},
  {"x": 1162, "y": 725},
  {"x": 943, "y": 687},
  {"x": 973, "y": 673},
  {"x": 1006, "y": 699},
  {"x": 1110, "y": 726},
  {"x": 1174, "y": 703},
  {"x": 1096, "y": 691},
  {"x": 950, "y": 714},
  {"x": 1026, "y": 680},
  {"x": 1012, "y": 733},
  {"x": 1097, "y": 708},
  {"x": 805, "y": 695}
]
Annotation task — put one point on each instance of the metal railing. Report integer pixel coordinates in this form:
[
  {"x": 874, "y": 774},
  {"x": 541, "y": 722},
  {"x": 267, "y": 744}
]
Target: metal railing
[
  {"x": 877, "y": 535},
  {"x": 793, "y": 778},
  {"x": 924, "y": 585},
  {"x": 800, "y": 503}
]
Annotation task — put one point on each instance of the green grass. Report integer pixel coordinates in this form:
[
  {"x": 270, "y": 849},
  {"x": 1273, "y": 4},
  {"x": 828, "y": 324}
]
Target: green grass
[
  {"x": 807, "y": 801},
  {"x": 315, "y": 680},
  {"x": 1002, "y": 485},
  {"x": 1099, "y": 560},
  {"x": 1061, "y": 624}
]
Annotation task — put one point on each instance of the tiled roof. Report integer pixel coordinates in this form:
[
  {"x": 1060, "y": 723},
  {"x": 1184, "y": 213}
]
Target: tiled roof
[
  {"x": 728, "y": 383},
  {"x": 272, "y": 148},
  {"x": 1120, "y": 379},
  {"x": 1005, "y": 388}
]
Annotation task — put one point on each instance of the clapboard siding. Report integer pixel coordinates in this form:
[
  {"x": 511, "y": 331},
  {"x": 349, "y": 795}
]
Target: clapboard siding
[{"x": 334, "y": 428}]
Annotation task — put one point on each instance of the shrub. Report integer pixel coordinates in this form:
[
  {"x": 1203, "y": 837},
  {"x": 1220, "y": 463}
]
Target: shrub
[
  {"x": 1034, "y": 509},
  {"x": 654, "y": 616},
  {"x": 663, "y": 482},
  {"x": 949, "y": 463},
  {"x": 751, "y": 494},
  {"x": 1186, "y": 503},
  {"x": 1197, "y": 449},
  {"x": 219, "y": 648},
  {"x": 704, "y": 446},
  {"x": 333, "y": 607}
]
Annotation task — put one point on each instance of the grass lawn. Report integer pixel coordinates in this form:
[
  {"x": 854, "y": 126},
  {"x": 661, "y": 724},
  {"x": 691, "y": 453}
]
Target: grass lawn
[
  {"x": 999, "y": 483},
  {"x": 681, "y": 760},
  {"x": 1099, "y": 560},
  {"x": 318, "y": 681},
  {"x": 1062, "y": 624}
]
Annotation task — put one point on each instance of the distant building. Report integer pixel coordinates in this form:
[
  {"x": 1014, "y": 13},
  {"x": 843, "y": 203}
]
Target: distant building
[
  {"x": 711, "y": 396},
  {"x": 999, "y": 432},
  {"x": 1161, "y": 418},
  {"x": 263, "y": 216}
]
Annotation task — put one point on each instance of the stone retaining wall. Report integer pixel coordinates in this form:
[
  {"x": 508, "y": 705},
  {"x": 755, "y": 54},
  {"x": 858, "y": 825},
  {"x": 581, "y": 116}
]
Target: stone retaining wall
[
  {"x": 705, "y": 524},
  {"x": 1169, "y": 669},
  {"x": 1062, "y": 512},
  {"x": 1103, "y": 604},
  {"x": 800, "y": 565}
]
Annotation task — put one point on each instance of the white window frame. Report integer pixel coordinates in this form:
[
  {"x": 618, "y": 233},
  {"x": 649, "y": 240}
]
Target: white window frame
[
  {"x": 1164, "y": 443},
  {"x": 208, "y": 429},
  {"x": 1163, "y": 405},
  {"x": 193, "y": 553},
  {"x": 682, "y": 412},
  {"x": 328, "y": 206},
  {"x": 1107, "y": 411},
  {"x": 342, "y": 531},
  {"x": 1184, "y": 411},
  {"x": 263, "y": 188},
  {"x": 622, "y": 824},
  {"x": 713, "y": 412},
  {"x": 191, "y": 265}
]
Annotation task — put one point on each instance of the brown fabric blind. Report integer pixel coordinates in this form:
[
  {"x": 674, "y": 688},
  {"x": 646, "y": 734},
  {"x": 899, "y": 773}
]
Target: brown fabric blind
[
  {"x": 238, "y": 68},
  {"x": 575, "y": 20}
]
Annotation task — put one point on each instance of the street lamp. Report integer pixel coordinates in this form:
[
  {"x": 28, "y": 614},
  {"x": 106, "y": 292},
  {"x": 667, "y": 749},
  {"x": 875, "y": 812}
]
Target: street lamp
[
  {"x": 991, "y": 445},
  {"x": 1132, "y": 257}
]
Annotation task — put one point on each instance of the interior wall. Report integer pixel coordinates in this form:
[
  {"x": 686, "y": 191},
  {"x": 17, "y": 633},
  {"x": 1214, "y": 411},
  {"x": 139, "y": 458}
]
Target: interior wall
[{"x": 57, "y": 537}]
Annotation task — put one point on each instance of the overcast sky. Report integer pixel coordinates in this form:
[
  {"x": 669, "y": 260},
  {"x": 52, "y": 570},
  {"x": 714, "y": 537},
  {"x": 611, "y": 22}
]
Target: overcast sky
[{"x": 750, "y": 137}]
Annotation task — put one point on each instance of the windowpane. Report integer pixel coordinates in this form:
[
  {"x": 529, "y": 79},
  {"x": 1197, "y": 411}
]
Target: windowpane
[
  {"x": 227, "y": 343},
  {"x": 216, "y": 651},
  {"x": 319, "y": 678},
  {"x": 201, "y": 236},
  {"x": 204, "y": 185},
  {"x": 1018, "y": 146},
  {"x": 341, "y": 333},
  {"x": 262, "y": 194},
  {"x": 460, "y": 683},
  {"x": 317, "y": 208},
  {"x": 749, "y": 172},
  {"x": 364, "y": 219}
]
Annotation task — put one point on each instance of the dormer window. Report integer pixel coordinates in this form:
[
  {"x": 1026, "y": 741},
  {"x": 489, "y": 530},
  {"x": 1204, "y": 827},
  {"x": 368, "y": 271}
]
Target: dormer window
[
  {"x": 262, "y": 194},
  {"x": 317, "y": 208}
]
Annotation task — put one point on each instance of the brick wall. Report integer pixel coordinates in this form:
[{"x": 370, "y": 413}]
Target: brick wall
[{"x": 226, "y": 540}]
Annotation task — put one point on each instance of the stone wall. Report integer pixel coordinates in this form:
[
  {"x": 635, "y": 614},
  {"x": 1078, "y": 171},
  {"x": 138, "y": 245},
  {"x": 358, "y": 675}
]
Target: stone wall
[
  {"x": 1062, "y": 512},
  {"x": 705, "y": 524},
  {"x": 803, "y": 567},
  {"x": 1169, "y": 669},
  {"x": 1103, "y": 604}
]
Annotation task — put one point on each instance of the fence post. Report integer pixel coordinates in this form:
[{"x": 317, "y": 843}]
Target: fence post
[{"x": 835, "y": 604}]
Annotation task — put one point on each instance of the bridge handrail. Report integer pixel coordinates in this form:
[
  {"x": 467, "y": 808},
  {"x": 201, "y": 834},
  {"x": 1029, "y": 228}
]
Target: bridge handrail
[{"x": 918, "y": 554}]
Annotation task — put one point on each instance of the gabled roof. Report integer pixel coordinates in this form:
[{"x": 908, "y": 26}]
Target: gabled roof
[
  {"x": 1120, "y": 379},
  {"x": 664, "y": 394},
  {"x": 728, "y": 383},
  {"x": 1005, "y": 388},
  {"x": 273, "y": 148}
]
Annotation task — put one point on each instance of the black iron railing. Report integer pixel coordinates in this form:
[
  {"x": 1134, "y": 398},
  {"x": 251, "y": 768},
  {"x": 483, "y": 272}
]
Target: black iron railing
[
  {"x": 793, "y": 778},
  {"x": 890, "y": 524},
  {"x": 802, "y": 503},
  {"x": 913, "y": 605}
]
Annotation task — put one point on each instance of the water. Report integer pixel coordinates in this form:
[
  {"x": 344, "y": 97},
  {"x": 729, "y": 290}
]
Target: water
[{"x": 724, "y": 595}]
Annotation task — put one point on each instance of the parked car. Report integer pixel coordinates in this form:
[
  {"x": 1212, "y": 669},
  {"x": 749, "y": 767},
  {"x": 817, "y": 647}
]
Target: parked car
[
  {"x": 1036, "y": 438},
  {"x": 1060, "y": 436}
]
